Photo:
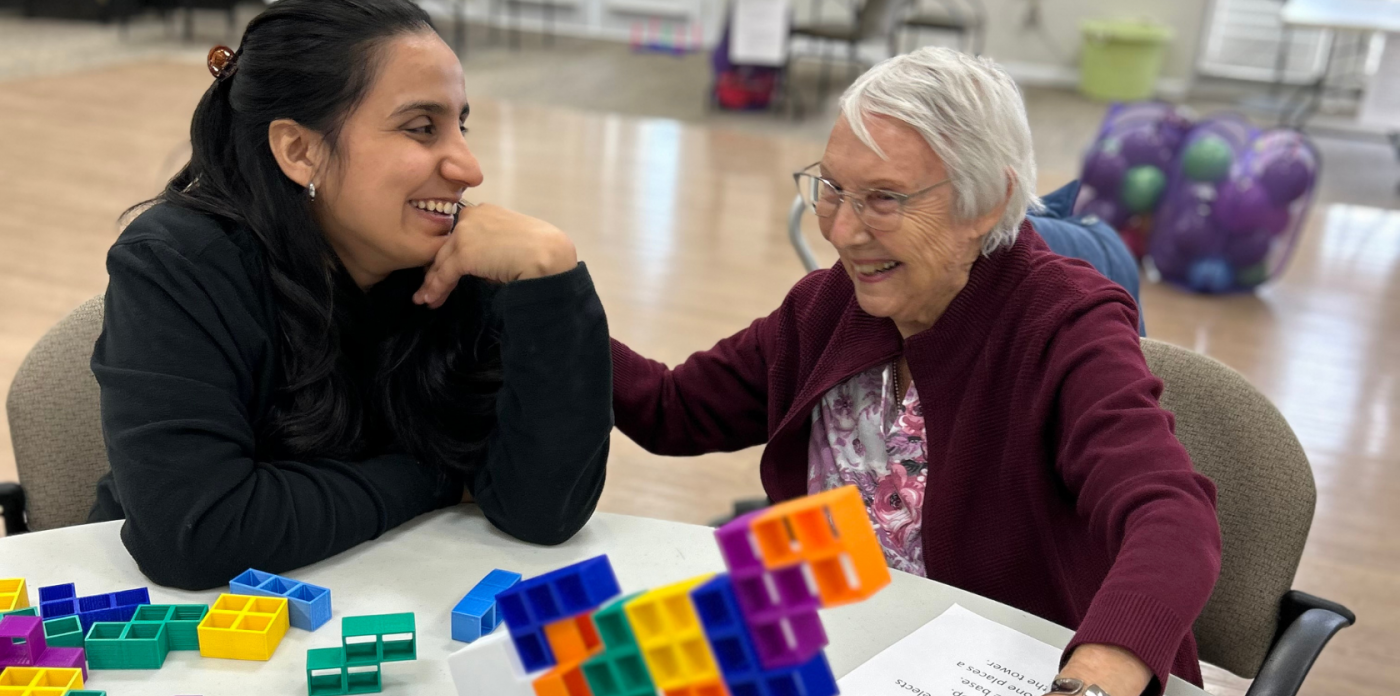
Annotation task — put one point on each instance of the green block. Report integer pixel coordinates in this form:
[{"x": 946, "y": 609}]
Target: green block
[
  {"x": 85, "y": 692},
  {"x": 64, "y": 632},
  {"x": 618, "y": 672},
  {"x": 613, "y": 626},
  {"x": 328, "y": 675},
  {"x": 183, "y": 625},
  {"x": 27, "y": 611},
  {"x": 132, "y": 645},
  {"x": 369, "y": 640}
]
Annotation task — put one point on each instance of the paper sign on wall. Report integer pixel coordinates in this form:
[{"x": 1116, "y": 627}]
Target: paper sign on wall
[{"x": 958, "y": 654}]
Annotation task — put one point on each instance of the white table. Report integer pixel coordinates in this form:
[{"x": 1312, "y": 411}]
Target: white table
[
  {"x": 427, "y": 565},
  {"x": 1352, "y": 15}
]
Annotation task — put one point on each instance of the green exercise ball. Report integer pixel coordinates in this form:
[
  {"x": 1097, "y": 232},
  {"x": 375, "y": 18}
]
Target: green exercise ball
[
  {"x": 1208, "y": 159},
  {"x": 1142, "y": 187}
]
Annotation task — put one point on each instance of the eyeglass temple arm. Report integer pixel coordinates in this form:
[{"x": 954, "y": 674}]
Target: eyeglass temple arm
[{"x": 799, "y": 243}]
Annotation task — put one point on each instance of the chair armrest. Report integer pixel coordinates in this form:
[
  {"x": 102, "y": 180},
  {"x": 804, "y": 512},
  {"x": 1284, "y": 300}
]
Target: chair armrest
[
  {"x": 12, "y": 508},
  {"x": 1306, "y": 623}
]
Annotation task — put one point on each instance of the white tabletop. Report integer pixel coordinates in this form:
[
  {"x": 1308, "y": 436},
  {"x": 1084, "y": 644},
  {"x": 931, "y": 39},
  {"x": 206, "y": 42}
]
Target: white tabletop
[
  {"x": 1355, "y": 15},
  {"x": 427, "y": 565}
]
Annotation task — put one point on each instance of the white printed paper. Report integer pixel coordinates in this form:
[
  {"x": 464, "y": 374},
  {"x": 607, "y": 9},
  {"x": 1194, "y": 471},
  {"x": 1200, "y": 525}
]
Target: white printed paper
[
  {"x": 958, "y": 654},
  {"x": 759, "y": 34}
]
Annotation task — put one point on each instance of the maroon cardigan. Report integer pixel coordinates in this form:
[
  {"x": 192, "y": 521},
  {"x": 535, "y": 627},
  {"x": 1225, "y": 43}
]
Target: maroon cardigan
[{"x": 1055, "y": 482}]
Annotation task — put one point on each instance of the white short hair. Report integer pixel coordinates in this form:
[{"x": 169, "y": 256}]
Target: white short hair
[{"x": 971, "y": 113}]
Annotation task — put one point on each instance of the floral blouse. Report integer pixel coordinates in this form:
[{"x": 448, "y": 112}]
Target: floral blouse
[{"x": 861, "y": 437}]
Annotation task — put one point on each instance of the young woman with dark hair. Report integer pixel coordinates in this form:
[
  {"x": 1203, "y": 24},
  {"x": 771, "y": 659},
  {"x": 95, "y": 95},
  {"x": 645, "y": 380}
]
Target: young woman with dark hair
[{"x": 280, "y": 380}]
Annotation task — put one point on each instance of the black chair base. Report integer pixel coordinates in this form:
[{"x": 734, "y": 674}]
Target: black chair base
[{"x": 12, "y": 508}]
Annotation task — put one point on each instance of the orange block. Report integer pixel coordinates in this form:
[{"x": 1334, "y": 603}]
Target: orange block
[
  {"x": 564, "y": 680},
  {"x": 573, "y": 640},
  {"x": 832, "y": 534},
  {"x": 709, "y": 687}
]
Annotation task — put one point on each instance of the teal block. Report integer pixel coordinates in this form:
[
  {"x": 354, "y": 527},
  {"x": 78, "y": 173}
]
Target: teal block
[
  {"x": 379, "y": 638},
  {"x": 85, "y": 692},
  {"x": 27, "y": 611},
  {"x": 132, "y": 645},
  {"x": 64, "y": 632},
  {"x": 327, "y": 674}
]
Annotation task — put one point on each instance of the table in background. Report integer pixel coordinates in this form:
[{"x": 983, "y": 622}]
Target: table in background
[{"x": 427, "y": 565}]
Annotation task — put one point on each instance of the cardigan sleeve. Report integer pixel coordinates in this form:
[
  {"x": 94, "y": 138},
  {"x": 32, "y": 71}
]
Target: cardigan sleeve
[
  {"x": 177, "y": 363},
  {"x": 715, "y": 401},
  {"x": 1136, "y": 486}
]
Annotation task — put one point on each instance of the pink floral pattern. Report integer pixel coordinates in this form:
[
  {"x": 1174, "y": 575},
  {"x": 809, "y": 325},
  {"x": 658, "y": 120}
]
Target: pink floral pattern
[{"x": 861, "y": 437}]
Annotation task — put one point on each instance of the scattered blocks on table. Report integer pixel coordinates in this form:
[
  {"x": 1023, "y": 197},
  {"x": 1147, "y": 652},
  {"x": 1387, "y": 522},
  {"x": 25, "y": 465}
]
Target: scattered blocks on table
[
  {"x": 379, "y": 638},
  {"x": 240, "y": 627},
  {"x": 831, "y": 533},
  {"x": 181, "y": 622},
  {"x": 13, "y": 594},
  {"x": 130, "y": 645},
  {"x": 619, "y": 670},
  {"x": 476, "y": 615},
  {"x": 309, "y": 605},
  {"x": 64, "y": 632},
  {"x": 672, "y": 640},
  {"x": 724, "y": 624},
  {"x": 327, "y": 674},
  {"x": 564, "y": 593},
  {"x": 58, "y": 600},
  {"x": 40, "y": 681},
  {"x": 490, "y": 667}
]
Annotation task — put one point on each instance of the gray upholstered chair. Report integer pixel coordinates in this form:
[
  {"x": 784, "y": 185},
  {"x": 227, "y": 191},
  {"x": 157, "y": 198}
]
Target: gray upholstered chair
[
  {"x": 1255, "y": 624},
  {"x": 56, "y": 426}
]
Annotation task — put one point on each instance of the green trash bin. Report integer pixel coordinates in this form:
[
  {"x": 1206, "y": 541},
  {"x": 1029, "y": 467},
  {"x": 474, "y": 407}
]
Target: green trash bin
[{"x": 1121, "y": 59}]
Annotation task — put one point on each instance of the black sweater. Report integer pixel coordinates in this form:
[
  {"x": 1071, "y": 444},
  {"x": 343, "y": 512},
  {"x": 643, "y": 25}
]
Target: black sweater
[{"x": 188, "y": 366}]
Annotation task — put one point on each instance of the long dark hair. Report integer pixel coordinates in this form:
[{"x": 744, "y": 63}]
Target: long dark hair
[{"x": 429, "y": 385}]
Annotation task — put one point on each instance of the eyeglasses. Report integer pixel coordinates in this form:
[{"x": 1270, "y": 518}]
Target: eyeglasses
[{"x": 879, "y": 209}]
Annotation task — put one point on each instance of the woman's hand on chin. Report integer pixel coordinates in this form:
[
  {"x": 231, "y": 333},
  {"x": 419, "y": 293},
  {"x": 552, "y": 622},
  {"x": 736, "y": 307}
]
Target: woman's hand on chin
[{"x": 499, "y": 245}]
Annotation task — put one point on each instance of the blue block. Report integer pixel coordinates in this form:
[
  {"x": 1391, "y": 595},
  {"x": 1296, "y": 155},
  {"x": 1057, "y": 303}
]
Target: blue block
[
  {"x": 115, "y": 607},
  {"x": 308, "y": 606},
  {"x": 559, "y": 594},
  {"x": 475, "y": 616},
  {"x": 58, "y": 600},
  {"x": 733, "y": 647}
]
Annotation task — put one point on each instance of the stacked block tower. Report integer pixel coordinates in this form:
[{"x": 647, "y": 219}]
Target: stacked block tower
[{"x": 753, "y": 631}]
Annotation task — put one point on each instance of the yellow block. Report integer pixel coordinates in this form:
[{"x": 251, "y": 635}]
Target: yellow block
[
  {"x": 40, "y": 679},
  {"x": 241, "y": 627},
  {"x": 671, "y": 638},
  {"x": 13, "y": 595}
]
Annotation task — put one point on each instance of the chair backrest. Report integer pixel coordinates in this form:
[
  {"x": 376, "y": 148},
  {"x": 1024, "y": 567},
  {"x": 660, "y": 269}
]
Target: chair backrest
[
  {"x": 55, "y": 422},
  {"x": 877, "y": 19},
  {"x": 1265, "y": 503}
]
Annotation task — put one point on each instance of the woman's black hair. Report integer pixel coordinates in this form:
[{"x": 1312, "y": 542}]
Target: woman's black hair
[{"x": 428, "y": 387}]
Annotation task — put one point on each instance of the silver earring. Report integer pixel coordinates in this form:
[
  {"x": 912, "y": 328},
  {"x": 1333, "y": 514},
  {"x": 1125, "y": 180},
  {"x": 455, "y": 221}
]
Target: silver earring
[{"x": 311, "y": 189}]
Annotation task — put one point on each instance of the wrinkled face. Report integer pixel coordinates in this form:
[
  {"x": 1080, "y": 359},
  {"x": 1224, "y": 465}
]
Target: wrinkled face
[
  {"x": 386, "y": 202},
  {"x": 910, "y": 273}
]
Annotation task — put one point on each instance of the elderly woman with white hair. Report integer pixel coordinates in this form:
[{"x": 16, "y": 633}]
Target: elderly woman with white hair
[{"x": 988, "y": 397}]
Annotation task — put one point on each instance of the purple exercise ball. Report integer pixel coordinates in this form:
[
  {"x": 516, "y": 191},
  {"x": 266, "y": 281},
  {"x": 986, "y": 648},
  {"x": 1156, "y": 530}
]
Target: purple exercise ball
[
  {"x": 1144, "y": 145},
  {"x": 1242, "y": 206},
  {"x": 1105, "y": 209},
  {"x": 1104, "y": 171},
  {"x": 1249, "y": 248},
  {"x": 1286, "y": 175},
  {"x": 1192, "y": 234}
]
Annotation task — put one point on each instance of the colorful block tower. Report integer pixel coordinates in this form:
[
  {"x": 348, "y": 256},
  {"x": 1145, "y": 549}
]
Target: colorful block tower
[{"x": 753, "y": 631}]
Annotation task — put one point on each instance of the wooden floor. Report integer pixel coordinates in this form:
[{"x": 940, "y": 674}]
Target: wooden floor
[{"x": 683, "y": 228}]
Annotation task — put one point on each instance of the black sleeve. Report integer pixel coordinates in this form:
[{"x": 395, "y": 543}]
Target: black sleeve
[
  {"x": 546, "y": 460},
  {"x": 178, "y": 365}
]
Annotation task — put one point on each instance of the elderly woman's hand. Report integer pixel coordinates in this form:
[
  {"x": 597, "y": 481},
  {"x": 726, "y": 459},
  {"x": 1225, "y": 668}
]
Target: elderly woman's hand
[
  {"x": 1116, "y": 671},
  {"x": 499, "y": 245}
]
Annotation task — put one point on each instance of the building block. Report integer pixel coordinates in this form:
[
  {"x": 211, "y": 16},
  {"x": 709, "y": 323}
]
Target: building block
[
  {"x": 111, "y": 607},
  {"x": 619, "y": 670},
  {"x": 131, "y": 645},
  {"x": 564, "y": 680},
  {"x": 573, "y": 640},
  {"x": 724, "y": 624},
  {"x": 84, "y": 692},
  {"x": 21, "y": 641},
  {"x": 567, "y": 592},
  {"x": 475, "y": 615},
  {"x": 64, "y": 658},
  {"x": 64, "y": 632},
  {"x": 779, "y": 606},
  {"x": 239, "y": 627},
  {"x": 327, "y": 674},
  {"x": 35, "y": 678},
  {"x": 379, "y": 638},
  {"x": 181, "y": 622},
  {"x": 13, "y": 594},
  {"x": 58, "y": 600},
  {"x": 27, "y": 611},
  {"x": 490, "y": 667},
  {"x": 309, "y": 605},
  {"x": 672, "y": 640},
  {"x": 831, "y": 533}
]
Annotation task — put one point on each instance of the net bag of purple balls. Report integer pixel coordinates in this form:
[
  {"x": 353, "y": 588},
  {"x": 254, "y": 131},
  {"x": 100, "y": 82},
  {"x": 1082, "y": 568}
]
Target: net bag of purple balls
[
  {"x": 1234, "y": 206},
  {"x": 1126, "y": 169}
]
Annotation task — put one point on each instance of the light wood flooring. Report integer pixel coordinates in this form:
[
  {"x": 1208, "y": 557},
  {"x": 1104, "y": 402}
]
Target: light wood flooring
[{"x": 683, "y": 228}]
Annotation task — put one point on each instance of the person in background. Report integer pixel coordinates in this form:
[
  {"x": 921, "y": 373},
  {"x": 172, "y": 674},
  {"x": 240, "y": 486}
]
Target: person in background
[
  {"x": 987, "y": 396},
  {"x": 274, "y": 391}
]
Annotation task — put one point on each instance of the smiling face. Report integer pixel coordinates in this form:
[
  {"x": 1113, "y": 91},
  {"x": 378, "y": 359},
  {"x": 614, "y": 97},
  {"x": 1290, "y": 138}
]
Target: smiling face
[
  {"x": 911, "y": 273},
  {"x": 387, "y": 200}
]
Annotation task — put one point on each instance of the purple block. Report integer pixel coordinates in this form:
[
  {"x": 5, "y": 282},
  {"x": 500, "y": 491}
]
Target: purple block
[
  {"x": 66, "y": 658},
  {"x": 736, "y": 544},
  {"x": 781, "y": 612},
  {"x": 21, "y": 640}
]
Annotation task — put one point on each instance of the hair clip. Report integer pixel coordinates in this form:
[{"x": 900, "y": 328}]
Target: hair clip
[{"x": 222, "y": 62}]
